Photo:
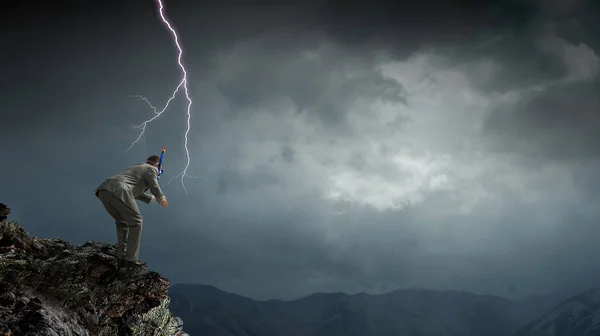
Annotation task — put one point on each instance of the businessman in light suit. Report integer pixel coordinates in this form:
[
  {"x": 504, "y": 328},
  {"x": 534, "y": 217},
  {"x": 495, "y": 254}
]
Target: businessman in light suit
[{"x": 119, "y": 193}]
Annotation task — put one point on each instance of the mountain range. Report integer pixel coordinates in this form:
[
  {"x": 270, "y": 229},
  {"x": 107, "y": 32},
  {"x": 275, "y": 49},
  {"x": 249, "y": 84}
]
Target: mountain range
[{"x": 207, "y": 310}]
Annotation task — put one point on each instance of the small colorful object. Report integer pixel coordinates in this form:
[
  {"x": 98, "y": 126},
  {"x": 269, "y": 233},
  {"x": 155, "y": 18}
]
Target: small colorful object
[{"x": 160, "y": 163}]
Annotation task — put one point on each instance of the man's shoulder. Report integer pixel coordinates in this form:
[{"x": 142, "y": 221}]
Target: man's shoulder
[
  {"x": 145, "y": 168},
  {"x": 141, "y": 168}
]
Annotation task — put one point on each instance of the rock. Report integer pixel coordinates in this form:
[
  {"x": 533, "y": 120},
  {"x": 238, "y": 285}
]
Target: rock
[
  {"x": 4, "y": 211},
  {"x": 49, "y": 287}
]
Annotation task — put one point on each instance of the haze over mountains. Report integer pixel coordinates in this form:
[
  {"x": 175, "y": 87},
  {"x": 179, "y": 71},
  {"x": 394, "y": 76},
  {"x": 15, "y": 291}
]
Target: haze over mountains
[
  {"x": 207, "y": 310},
  {"x": 578, "y": 316}
]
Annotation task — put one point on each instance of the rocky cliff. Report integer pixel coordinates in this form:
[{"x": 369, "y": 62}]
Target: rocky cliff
[{"x": 49, "y": 287}]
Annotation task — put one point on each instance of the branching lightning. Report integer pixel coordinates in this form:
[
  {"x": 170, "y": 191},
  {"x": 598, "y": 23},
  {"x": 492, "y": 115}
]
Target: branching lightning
[{"x": 182, "y": 84}]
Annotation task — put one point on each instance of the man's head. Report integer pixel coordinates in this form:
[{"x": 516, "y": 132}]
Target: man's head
[{"x": 153, "y": 160}]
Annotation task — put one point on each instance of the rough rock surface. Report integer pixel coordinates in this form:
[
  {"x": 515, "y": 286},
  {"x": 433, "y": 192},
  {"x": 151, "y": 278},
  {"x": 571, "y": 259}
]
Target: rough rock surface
[
  {"x": 48, "y": 287},
  {"x": 4, "y": 211}
]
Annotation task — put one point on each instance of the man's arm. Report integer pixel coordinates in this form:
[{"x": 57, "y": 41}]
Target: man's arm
[
  {"x": 150, "y": 176},
  {"x": 146, "y": 198}
]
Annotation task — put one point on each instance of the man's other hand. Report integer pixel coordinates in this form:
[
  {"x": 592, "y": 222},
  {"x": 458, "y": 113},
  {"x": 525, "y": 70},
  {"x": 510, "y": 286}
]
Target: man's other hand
[{"x": 164, "y": 202}]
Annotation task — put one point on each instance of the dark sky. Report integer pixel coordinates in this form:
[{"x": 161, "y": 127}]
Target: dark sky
[{"x": 342, "y": 147}]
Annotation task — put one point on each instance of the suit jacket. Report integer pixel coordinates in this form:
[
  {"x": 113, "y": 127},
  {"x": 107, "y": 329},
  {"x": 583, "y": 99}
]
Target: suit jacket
[{"x": 132, "y": 183}]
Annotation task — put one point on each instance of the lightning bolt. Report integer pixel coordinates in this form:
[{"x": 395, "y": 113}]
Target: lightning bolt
[{"x": 182, "y": 84}]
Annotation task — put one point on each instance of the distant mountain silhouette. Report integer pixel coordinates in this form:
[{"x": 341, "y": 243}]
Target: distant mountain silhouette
[
  {"x": 578, "y": 316},
  {"x": 412, "y": 312}
]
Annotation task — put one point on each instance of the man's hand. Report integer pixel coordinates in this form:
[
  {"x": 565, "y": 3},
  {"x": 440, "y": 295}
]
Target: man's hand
[{"x": 164, "y": 202}]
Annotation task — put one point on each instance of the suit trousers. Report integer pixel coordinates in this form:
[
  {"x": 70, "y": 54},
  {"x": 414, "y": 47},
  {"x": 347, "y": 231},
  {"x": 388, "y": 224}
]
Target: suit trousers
[{"x": 128, "y": 222}]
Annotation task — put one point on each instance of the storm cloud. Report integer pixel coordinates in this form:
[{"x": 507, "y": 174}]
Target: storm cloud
[{"x": 333, "y": 148}]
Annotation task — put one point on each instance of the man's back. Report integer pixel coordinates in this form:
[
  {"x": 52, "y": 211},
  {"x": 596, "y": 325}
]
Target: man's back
[
  {"x": 134, "y": 175},
  {"x": 132, "y": 182}
]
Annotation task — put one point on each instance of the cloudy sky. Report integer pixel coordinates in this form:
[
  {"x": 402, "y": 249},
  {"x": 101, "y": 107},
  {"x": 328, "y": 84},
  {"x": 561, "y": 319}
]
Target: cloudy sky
[{"x": 335, "y": 147}]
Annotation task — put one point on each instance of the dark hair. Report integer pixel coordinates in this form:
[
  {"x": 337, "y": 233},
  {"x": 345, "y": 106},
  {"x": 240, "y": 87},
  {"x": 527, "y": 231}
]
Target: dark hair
[{"x": 154, "y": 159}]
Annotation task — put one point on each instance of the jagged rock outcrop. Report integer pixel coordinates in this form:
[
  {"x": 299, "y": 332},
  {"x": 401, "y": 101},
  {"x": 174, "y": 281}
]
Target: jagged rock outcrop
[
  {"x": 4, "y": 211},
  {"x": 48, "y": 287}
]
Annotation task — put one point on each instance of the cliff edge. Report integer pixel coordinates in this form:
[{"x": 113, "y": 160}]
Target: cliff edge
[{"x": 49, "y": 287}]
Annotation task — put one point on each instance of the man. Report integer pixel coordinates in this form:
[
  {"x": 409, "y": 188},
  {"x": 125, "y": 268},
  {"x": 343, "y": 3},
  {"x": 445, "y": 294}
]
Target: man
[{"x": 118, "y": 195}]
